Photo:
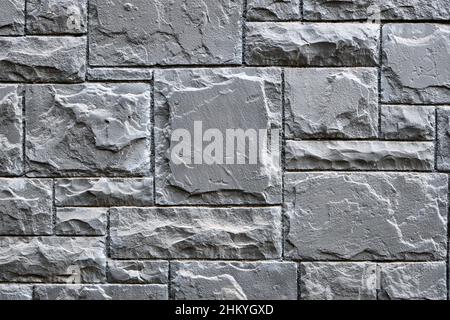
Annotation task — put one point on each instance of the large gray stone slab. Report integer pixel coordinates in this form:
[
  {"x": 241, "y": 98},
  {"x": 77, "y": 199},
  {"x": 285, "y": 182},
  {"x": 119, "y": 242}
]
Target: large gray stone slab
[
  {"x": 12, "y": 17},
  {"x": 338, "y": 281},
  {"x": 360, "y": 216},
  {"x": 156, "y": 32},
  {"x": 413, "y": 281},
  {"x": 331, "y": 103},
  {"x": 416, "y": 68},
  {"x": 81, "y": 221},
  {"x": 273, "y": 10},
  {"x": 56, "y": 16},
  {"x": 88, "y": 130},
  {"x": 52, "y": 259},
  {"x": 138, "y": 272},
  {"x": 312, "y": 44},
  {"x": 213, "y": 280},
  {"x": 191, "y": 233},
  {"x": 218, "y": 99},
  {"x": 443, "y": 139},
  {"x": 13, "y": 292},
  {"x": 11, "y": 130},
  {"x": 26, "y": 206},
  {"x": 359, "y": 155},
  {"x": 43, "y": 59}
]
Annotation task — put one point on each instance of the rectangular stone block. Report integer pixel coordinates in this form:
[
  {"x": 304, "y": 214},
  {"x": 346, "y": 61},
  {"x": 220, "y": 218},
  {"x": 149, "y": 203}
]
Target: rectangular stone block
[
  {"x": 52, "y": 259},
  {"x": 104, "y": 192},
  {"x": 331, "y": 103},
  {"x": 443, "y": 139},
  {"x": 155, "y": 32},
  {"x": 119, "y": 74},
  {"x": 413, "y": 281},
  {"x": 138, "y": 272},
  {"x": 416, "y": 68},
  {"x": 91, "y": 129},
  {"x": 14, "y": 292},
  {"x": 361, "y": 216},
  {"x": 26, "y": 206},
  {"x": 43, "y": 59},
  {"x": 12, "y": 17},
  {"x": 214, "y": 280},
  {"x": 215, "y": 102},
  {"x": 312, "y": 44},
  {"x": 408, "y": 122},
  {"x": 359, "y": 155},
  {"x": 11, "y": 130},
  {"x": 56, "y": 16},
  {"x": 338, "y": 281},
  {"x": 101, "y": 292},
  {"x": 273, "y": 10},
  {"x": 191, "y": 233},
  {"x": 81, "y": 221}
]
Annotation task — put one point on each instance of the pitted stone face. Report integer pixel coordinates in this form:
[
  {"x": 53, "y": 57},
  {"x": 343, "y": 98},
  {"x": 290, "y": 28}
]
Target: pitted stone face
[{"x": 12, "y": 17}]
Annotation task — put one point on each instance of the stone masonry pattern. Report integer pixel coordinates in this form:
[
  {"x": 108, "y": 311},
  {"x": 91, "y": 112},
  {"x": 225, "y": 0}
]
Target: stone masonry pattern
[{"x": 92, "y": 208}]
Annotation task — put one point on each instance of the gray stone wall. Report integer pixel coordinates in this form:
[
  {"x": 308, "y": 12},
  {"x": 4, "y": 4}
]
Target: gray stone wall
[{"x": 92, "y": 208}]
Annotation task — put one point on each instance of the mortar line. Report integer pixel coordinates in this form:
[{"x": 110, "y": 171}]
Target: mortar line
[
  {"x": 153, "y": 144},
  {"x": 302, "y": 10},
  {"x": 283, "y": 162},
  {"x": 169, "y": 282},
  {"x": 24, "y": 130},
  {"x": 380, "y": 89},
  {"x": 244, "y": 30}
]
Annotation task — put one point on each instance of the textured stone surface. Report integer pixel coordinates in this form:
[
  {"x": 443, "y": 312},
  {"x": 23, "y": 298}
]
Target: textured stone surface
[
  {"x": 104, "y": 192},
  {"x": 25, "y": 206},
  {"x": 90, "y": 129},
  {"x": 43, "y": 59},
  {"x": 81, "y": 221},
  {"x": 239, "y": 233},
  {"x": 149, "y": 32},
  {"x": 101, "y": 292},
  {"x": 16, "y": 292},
  {"x": 359, "y": 155},
  {"x": 443, "y": 143},
  {"x": 202, "y": 280},
  {"x": 314, "y": 44},
  {"x": 416, "y": 68},
  {"x": 414, "y": 281},
  {"x": 221, "y": 99},
  {"x": 273, "y": 10},
  {"x": 138, "y": 272},
  {"x": 57, "y": 16},
  {"x": 375, "y": 9},
  {"x": 376, "y": 216},
  {"x": 408, "y": 122},
  {"x": 52, "y": 259},
  {"x": 331, "y": 103},
  {"x": 11, "y": 131},
  {"x": 119, "y": 74},
  {"x": 338, "y": 281},
  {"x": 12, "y": 17}
]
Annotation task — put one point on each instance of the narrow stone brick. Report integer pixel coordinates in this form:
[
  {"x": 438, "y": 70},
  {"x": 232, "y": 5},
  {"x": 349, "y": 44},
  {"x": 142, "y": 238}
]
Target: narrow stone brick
[
  {"x": 120, "y": 74},
  {"x": 273, "y": 10},
  {"x": 331, "y": 103},
  {"x": 338, "y": 281},
  {"x": 312, "y": 44},
  {"x": 203, "y": 280},
  {"x": 443, "y": 134},
  {"x": 204, "y": 233},
  {"x": 359, "y": 155},
  {"x": 138, "y": 272},
  {"x": 376, "y": 216},
  {"x": 12, "y": 17},
  {"x": 81, "y": 221},
  {"x": 13, "y": 292}
]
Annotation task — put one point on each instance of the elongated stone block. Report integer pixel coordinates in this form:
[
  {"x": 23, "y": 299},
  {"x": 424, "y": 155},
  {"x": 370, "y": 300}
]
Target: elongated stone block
[
  {"x": 273, "y": 10},
  {"x": 81, "y": 221},
  {"x": 138, "y": 272},
  {"x": 14, "y": 292},
  {"x": 443, "y": 135}
]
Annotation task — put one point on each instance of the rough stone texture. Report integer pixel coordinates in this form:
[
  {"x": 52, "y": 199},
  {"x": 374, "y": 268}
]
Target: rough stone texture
[
  {"x": 120, "y": 74},
  {"x": 416, "y": 68},
  {"x": 11, "y": 130},
  {"x": 89, "y": 129},
  {"x": 313, "y": 44},
  {"x": 101, "y": 292},
  {"x": 443, "y": 145},
  {"x": 376, "y": 9},
  {"x": 138, "y": 272},
  {"x": 52, "y": 259},
  {"x": 43, "y": 59},
  {"x": 331, "y": 103},
  {"x": 359, "y": 155},
  {"x": 104, "y": 192},
  {"x": 12, "y": 17},
  {"x": 203, "y": 280},
  {"x": 273, "y": 10},
  {"x": 149, "y": 32},
  {"x": 338, "y": 281},
  {"x": 408, "y": 122},
  {"x": 376, "y": 216},
  {"x": 26, "y": 207},
  {"x": 222, "y": 99},
  {"x": 56, "y": 16},
  {"x": 414, "y": 281},
  {"x": 204, "y": 233},
  {"x": 81, "y": 221},
  {"x": 16, "y": 292}
]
